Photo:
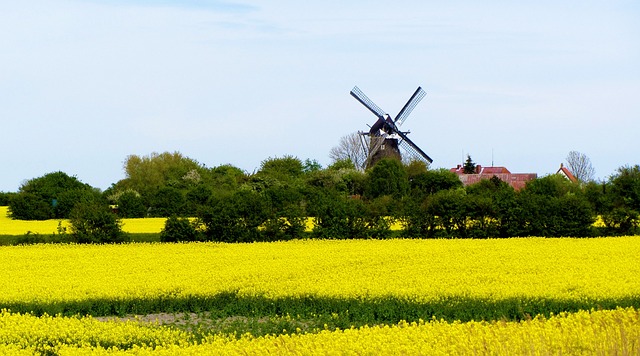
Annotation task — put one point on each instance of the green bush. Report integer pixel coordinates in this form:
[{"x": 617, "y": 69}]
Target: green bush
[
  {"x": 28, "y": 206},
  {"x": 179, "y": 229},
  {"x": 387, "y": 177},
  {"x": 50, "y": 196},
  {"x": 95, "y": 223},
  {"x": 167, "y": 201},
  {"x": 130, "y": 205},
  {"x": 5, "y": 198}
]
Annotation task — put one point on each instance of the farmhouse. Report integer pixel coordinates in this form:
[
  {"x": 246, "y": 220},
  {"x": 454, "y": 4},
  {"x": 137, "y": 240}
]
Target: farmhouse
[
  {"x": 563, "y": 171},
  {"x": 516, "y": 180}
]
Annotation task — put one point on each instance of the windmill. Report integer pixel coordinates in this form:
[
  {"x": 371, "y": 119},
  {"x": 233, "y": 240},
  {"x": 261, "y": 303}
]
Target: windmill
[{"x": 385, "y": 139}]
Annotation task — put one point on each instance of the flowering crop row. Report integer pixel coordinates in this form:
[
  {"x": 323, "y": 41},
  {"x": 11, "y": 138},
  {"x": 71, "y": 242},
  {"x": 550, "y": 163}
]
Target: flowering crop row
[
  {"x": 596, "y": 332},
  {"x": 374, "y": 280}
]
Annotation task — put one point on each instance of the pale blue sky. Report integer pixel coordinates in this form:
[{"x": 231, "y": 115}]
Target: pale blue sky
[{"x": 83, "y": 84}]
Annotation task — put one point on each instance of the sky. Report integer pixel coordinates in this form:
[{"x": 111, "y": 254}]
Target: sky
[{"x": 84, "y": 84}]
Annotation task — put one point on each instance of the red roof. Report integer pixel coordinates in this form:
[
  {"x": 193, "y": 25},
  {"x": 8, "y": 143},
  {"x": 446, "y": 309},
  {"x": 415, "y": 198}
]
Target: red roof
[
  {"x": 482, "y": 170},
  {"x": 516, "y": 180},
  {"x": 567, "y": 173}
]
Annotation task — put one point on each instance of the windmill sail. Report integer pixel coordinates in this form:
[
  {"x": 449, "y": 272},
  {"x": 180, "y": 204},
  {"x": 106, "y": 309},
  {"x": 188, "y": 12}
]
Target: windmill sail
[
  {"x": 413, "y": 149},
  {"x": 409, "y": 106},
  {"x": 364, "y": 100}
]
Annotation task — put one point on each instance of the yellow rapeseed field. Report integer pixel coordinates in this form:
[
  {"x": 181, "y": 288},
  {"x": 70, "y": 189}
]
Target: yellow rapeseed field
[
  {"x": 596, "y": 269},
  {"x": 582, "y": 333},
  {"x": 466, "y": 278},
  {"x": 19, "y": 227}
]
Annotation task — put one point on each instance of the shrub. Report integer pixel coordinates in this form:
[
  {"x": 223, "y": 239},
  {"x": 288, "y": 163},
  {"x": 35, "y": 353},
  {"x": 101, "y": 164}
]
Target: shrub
[
  {"x": 179, "y": 229},
  {"x": 27, "y": 206},
  {"x": 387, "y": 177},
  {"x": 95, "y": 223},
  {"x": 130, "y": 205},
  {"x": 49, "y": 197},
  {"x": 167, "y": 201},
  {"x": 5, "y": 198}
]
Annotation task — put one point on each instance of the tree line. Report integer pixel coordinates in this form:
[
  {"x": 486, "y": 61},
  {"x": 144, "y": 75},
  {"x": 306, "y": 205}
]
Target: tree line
[{"x": 274, "y": 202}]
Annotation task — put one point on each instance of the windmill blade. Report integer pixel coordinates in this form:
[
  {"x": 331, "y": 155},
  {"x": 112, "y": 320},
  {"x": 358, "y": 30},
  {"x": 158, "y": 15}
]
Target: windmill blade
[
  {"x": 412, "y": 148},
  {"x": 364, "y": 100},
  {"x": 418, "y": 95}
]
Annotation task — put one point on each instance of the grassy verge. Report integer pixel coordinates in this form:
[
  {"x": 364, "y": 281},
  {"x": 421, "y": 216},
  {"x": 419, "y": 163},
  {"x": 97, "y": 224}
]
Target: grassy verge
[
  {"x": 34, "y": 238},
  {"x": 229, "y": 312}
]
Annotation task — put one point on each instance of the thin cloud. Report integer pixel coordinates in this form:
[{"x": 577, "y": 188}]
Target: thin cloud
[{"x": 222, "y": 6}]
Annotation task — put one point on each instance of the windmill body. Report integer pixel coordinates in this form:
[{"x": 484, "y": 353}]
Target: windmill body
[{"x": 384, "y": 139}]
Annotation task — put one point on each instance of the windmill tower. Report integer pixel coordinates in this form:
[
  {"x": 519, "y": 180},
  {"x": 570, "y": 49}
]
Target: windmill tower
[{"x": 384, "y": 139}]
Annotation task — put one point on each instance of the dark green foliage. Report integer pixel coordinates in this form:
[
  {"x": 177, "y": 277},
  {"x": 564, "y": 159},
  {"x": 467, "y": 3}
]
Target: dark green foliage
[
  {"x": 95, "y": 223},
  {"x": 493, "y": 210},
  {"x": 596, "y": 194},
  {"x": 50, "y": 196},
  {"x": 29, "y": 206},
  {"x": 553, "y": 206},
  {"x": 552, "y": 186},
  {"x": 331, "y": 214},
  {"x": 417, "y": 223},
  {"x": 346, "y": 217},
  {"x": 180, "y": 229},
  {"x": 311, "y": 165},
  {"x": 197, "y": 198},
  {"x": 625, "y": 187},
  {"x": 285, "y": 214},
  {"x": 379, "y": 214},
  {"x": 130, "y": 205},
  {"x": 450, "y": 209},
  {"x": 430, "y": 182},
  {"x": 621, "y": 221},
  {"x": 469, "y": 166},
  {"x": 235, "y": 218},
  {"x": 5, "y": 198},
  {"x": 549, "y": 206},
  {"x": 387, "y": 177},
  {"x": 68, "y": 199},
  {"x": 621, "y": 201},
  {"x": 273, "y": 203},
  {"x": 167, "y": 201}
]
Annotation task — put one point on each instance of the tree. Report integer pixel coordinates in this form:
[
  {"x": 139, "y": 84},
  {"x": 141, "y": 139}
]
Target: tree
[
  {"x": 350, "y": 147},
  {"x": 5, "y": 198},
  {"x": 130, "y": 205},
  {"x": 553, "y": 206},
  {"x": 237, "y": 217},
  {"x": 95, "y": 223},
  {"x": 625, "y": 184},
  {"x": 387, "y": 177},
  {"x": 469, "y": 166},
  {"x": 149, "y": 173},
  {"x": 50, "y": 196},
  {"x": 311, "y": 165},
  {"x": 433, "y": 181},
  {"x": 580, "y": 166},
  {"x": 167, "y": 201},
  {"x": 179, "y": 229},
  {"x": 285, "y": 169},
  {"x": 622, "y": 201},
  {"x": 451, "y": 210}
]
